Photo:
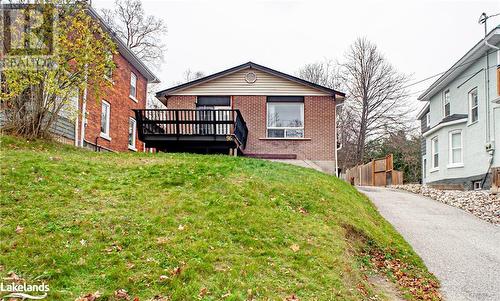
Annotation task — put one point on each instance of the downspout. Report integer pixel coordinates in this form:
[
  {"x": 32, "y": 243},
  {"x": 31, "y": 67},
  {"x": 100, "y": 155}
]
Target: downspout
[
  {"x": 487, "y": 89},
  {"x": 76, "y": 129},
  {"x": 84, "y": 116},
  {"x": 335, "y": 139},
  {"x": 489, "y": 130}
]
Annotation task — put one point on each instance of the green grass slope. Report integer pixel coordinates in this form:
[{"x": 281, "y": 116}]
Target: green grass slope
[{"x": 186, "y": 227}]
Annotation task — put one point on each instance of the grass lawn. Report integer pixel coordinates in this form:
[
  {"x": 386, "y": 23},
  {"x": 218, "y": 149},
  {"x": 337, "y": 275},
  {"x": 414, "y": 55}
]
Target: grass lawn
[{"x": 190, "y": 227}]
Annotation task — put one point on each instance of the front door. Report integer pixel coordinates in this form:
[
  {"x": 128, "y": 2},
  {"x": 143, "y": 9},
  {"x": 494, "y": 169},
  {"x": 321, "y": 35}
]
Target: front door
[{"x": 208, "y": 114}]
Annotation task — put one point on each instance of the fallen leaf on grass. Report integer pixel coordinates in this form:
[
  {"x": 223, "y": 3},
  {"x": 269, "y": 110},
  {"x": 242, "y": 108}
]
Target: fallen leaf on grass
[
  {"x": 295, "y": 247},
  {"x": 162, "y": 240},
  {"x": 89, "y": 297},
  {"x": 291, "y": 298},
  {"x": 11, "y": 276},
  {"x": 122, "y": 294},
  {"x": 203, "y": 292},
  {"x": 163, "y": 277},
  {"x": 159, "y": 298},
  {"x": 181, "y": 227},
  {"x": 303, "y": 210},
  {"x": 176, "y": 271},
  {"x": 226, "y": 295},
  {"x": 114, "y": 247},
  {"x": 19, "y": 229}
]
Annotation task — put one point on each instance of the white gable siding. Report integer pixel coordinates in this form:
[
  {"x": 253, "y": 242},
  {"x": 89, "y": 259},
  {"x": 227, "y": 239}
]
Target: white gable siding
[{"x": 235, "y": 84}]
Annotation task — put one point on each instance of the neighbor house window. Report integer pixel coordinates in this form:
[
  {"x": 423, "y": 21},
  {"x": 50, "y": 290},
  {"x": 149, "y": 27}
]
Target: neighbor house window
[
  {"x": 428, "y": 119},
  {"x": 456, "y": 148},
  {"x": 105, "y": 116},
  {"x": 131, "y": 133},
  {"x": 473, "y": 106},
  {"x": 435, "y": 152},
  {"x": 446, "y": 103},
  {"x": 133, "y": 85},
  {"x": 285, "y": 117}
]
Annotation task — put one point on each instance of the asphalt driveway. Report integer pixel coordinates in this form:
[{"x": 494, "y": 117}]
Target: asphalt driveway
[{"x": 460, "y": 249}]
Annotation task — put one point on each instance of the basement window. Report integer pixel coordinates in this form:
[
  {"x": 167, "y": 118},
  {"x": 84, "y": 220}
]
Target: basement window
[
  {"x": 476, "y": 185},
  {"x": 285, "y": 117}
]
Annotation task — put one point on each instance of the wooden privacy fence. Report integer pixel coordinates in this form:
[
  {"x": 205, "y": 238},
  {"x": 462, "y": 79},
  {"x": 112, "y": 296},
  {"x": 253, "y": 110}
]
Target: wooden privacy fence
[
  {"x": 378, "y": 172},
  {"x": 495, "y": 183}
]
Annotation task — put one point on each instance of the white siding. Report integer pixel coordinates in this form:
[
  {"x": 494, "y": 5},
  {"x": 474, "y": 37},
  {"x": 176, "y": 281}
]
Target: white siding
[{"x": 235, "y": 84}]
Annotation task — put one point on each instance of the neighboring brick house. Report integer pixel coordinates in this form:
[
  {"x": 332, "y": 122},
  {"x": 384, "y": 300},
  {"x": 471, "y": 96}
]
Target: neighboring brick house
[
  {"x": 460, "y": 121},
  {"x": 109, "y": 122},
  {"x": 285, "y": 117}
]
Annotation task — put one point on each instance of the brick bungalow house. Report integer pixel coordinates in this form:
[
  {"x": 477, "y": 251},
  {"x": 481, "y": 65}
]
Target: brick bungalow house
[{"x": 251, "y": 110}]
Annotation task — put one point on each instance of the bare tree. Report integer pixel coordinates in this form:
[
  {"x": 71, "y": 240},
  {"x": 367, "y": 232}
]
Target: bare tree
[
  {"x": 376, "y": 96},
  {"x": 141, "y": 33},
  {"x": 376, "y": 101},
  {"x": 190, "y": 75},
  {"x": 322, "y": 73}
]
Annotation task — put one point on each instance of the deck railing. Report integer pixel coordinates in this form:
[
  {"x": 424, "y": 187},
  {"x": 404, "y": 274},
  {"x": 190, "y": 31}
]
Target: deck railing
[{"x": 191, "y": 122}]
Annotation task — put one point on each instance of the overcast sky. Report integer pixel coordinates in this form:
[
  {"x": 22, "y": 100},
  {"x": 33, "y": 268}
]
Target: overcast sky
[{"x": 418, "y": 37}]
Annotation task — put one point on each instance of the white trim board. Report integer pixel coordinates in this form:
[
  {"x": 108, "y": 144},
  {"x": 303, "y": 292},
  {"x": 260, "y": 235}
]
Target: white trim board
[{"x": 442, "y": 125}]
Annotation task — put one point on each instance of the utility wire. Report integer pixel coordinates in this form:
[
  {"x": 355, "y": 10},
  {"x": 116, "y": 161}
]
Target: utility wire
[{"x": 441, "y": 73}]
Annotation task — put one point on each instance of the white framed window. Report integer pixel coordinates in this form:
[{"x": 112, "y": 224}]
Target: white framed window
[
  {"x": 285, "y": 120},
  {"x": 456, "y": 155},
  {"x": 133, "y": 86},
  {"x": 132, "y": 129},
  {"x": 473, "y": 106},
  {"x": 446, "y": 103},
  {"x": 428, "y": 119},
  {"x": 434, "y": 153},
  {"x": 105, "y": 119}
]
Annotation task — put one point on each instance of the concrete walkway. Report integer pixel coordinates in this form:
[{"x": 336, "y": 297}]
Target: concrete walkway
[{"x": 460, "y": 249}]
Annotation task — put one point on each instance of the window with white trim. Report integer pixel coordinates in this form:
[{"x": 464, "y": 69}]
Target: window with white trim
[
  {"x": 132, "y": 126},
  {"x": 285, "y": 119},
  {"x": 446, "y": 103},
  {"x": 133, "y": 85},
  {"x": 434, "y": 153},
  {"x": 456, "y": 148},
  {"x": 428, "y": 119},
  {"x": 473, "y": 106},
  {"x": 105, "y": 118}
]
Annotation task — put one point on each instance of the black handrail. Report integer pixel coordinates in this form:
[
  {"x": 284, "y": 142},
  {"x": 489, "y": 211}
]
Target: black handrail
[{"x": 190, "y": 122}]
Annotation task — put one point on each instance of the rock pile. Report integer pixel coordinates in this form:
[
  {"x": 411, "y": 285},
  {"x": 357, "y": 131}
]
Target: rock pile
[{"x": 480, "y": 203}]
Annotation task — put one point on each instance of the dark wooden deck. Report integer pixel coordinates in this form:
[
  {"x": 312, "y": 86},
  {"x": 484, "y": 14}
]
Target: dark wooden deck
[{"x": 192, "y": 130}]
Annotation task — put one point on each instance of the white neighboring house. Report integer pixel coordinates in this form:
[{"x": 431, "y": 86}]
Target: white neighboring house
[{"x": 461, "y": 119}]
